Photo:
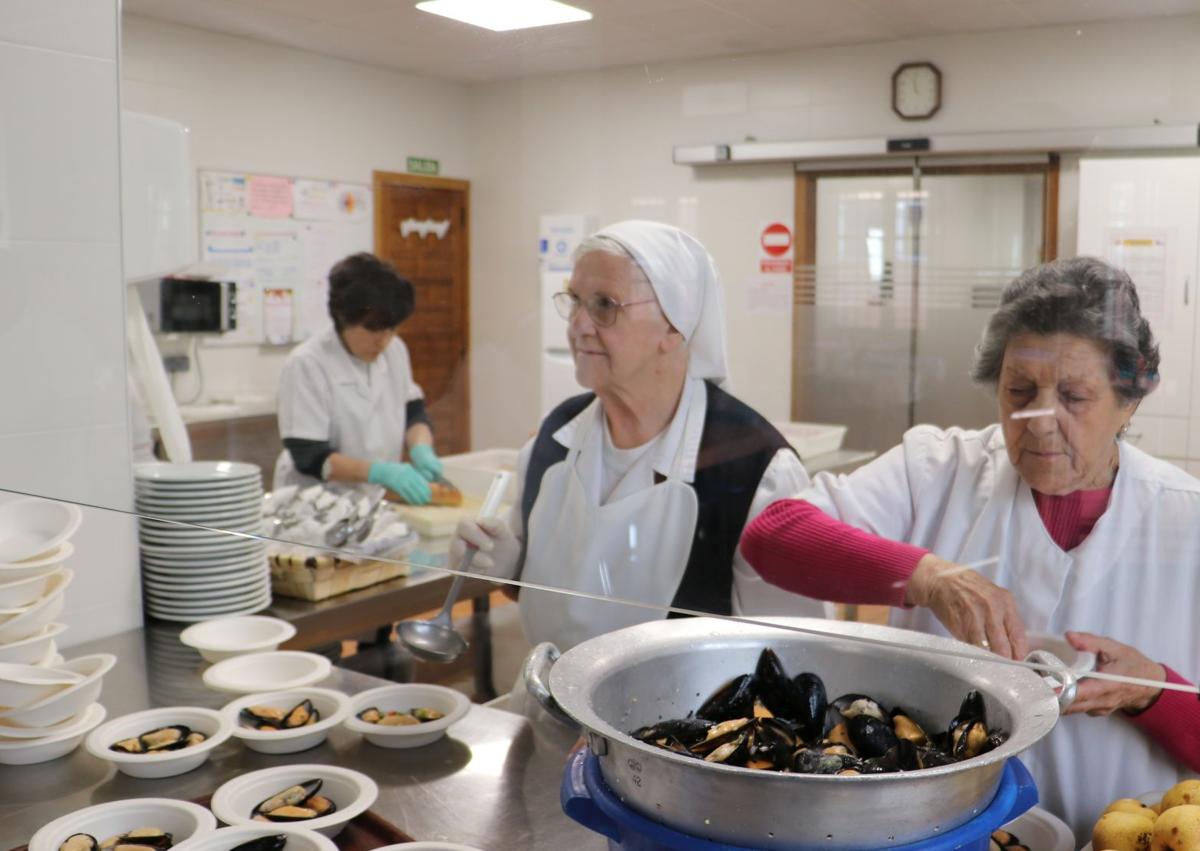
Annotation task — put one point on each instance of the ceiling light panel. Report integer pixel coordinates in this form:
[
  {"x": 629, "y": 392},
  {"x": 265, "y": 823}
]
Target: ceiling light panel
[{"x": 505, "y": 15}]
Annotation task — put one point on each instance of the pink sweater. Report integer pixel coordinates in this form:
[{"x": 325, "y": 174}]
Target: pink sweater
[{"x": 793, "y": 544}]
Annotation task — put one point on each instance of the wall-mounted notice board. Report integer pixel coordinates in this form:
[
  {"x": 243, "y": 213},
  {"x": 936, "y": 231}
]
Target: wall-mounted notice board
[{"x": 277, "y": 237}]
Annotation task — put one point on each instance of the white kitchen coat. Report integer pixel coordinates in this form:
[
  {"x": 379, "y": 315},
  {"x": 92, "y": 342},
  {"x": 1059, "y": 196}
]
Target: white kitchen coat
[
  {"x": 325, "y": 393},
  {"x": 1135, "y": 579},
  {"x": 589, "y": 539}
]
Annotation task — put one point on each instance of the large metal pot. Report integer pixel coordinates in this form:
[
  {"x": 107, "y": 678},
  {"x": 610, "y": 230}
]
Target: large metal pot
[{"x": 664, "y": 669}]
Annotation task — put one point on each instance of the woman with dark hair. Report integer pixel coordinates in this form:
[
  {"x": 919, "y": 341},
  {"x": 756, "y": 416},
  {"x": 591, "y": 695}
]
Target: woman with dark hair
[
  {"x": 348, "y": 405},
  {"x": 1046, "y": 520}
]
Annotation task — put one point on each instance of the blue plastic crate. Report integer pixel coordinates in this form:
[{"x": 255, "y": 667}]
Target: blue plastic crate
[{"x": 587, "y": 799}]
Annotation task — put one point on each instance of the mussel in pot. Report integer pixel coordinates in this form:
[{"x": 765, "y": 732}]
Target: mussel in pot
[{"x": 768, "y": 721}]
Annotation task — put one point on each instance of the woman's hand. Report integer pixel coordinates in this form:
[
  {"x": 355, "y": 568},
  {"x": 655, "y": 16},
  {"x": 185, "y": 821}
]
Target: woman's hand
[
  {"x": 496, "y": 548},
  {"x": 972, "y": 608},
  {"x": 425, "y": 460},
  {"x": 1099, "y": 697},
  {"x": 402, "y": 479}
]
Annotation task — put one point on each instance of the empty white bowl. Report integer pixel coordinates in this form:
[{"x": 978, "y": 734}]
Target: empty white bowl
[
  {"x": 27, "y": 591},
  {"x": 401, "y": 698},
  {"x": 54, "y": 745},
  {"x": 33, "y": 526},
  {"x": 68, "y": 702},
  {"x": 31, "y": 650},
  {"x": 154, "y": 765},
  {"x": 279, "y": 670},
  {"x": 352, "y": 792},
  {"x": 182, "y": 819},
  {"x": 33, "y": 619},
  {"x": 11, "y": 571},
  {"x": 333, "y": 707},
  {"x": 227, "y": 838},
  {"x": 224, "y": 638},
  {"x": 21, "y": 685}
]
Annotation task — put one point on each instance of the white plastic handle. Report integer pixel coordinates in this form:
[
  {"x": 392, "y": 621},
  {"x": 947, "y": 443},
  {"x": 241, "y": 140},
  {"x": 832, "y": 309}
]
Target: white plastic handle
[{"x": 496, "y": 491}]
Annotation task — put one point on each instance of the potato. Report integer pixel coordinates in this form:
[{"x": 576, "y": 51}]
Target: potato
[
  {"x": 1122, "y": 831},
  {"x": 1132, "y": 805},
  {"x": 1178, "y": 829},
  {"x": 1187, "y": 792}
]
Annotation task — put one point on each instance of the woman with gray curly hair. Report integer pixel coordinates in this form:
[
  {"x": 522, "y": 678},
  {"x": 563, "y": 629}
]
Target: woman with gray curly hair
[{"x": 1046, "y": 520}]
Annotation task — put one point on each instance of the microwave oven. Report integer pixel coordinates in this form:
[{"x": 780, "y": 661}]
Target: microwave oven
[{"x": 190, "y": 306}]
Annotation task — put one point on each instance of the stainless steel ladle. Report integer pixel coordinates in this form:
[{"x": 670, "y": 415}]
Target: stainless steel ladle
[{"x": 436, "y": 640}]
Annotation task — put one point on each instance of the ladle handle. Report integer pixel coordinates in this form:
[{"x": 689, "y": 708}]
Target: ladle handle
[{"x": 491, "y": 504}]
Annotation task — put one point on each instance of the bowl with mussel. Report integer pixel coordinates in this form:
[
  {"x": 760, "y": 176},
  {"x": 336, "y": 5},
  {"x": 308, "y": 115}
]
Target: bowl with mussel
[
  {"x": 851, "y": 735},
  {"x": 160, "y": 742},
  {"x": 287, "y": 721},
  {"x": 136, "y": 824},
  {"x": 264, "y": 837},
  {"x": 406, "y": 715},
  {"x": 313, "y": 797}
]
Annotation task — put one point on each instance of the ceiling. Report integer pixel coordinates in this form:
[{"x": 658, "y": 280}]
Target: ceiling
[{"x": 393, "y": 33}]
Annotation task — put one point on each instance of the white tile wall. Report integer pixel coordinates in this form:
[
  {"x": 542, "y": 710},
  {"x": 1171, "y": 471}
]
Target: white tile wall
[{"x": 63, "y": 422}]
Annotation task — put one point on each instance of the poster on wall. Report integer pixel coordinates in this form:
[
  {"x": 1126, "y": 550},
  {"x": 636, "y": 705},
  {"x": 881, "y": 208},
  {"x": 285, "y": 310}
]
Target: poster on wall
[
  {"x": 1143, "y": 254},
  {"x": 280, "y": 234},
  {"x": 775, "y": 247}
]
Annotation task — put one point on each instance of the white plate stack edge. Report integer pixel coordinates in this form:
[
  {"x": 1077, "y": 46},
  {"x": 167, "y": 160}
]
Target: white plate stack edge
[{"x": 191, "y": 574}]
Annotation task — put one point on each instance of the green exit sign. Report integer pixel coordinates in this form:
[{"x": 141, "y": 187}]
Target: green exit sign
[{"x": 421, "y": 165}]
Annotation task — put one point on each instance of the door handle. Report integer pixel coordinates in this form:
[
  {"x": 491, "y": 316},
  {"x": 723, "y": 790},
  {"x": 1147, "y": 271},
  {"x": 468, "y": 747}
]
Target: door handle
[{"x": 1186, "y": 286}]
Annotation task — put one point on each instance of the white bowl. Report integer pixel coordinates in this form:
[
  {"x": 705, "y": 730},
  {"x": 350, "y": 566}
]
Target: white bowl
[
  {"x": 352, "y": 792},
  {"x": 59, "y": 743},
  {"x": 333, "y": 706},
  {"x": 1042, "y": 830},
  {"x": 33, "y": 527},
  {"x": 228, "y": 838},
  {"x": 25, "y": 592},
  {"x": 278, "y": 670},
  {"x": 21, "y": 685},
  {"x": 181, "y": 819},
  {"x": 33, "y": 619},
  {"x": 207, "y": 721},
  {"x": 68, "y": 702},
  {"x": 401, "y": 698},
  {"x": 10, "y": 571},
  {"x": 31, "y": 650}
]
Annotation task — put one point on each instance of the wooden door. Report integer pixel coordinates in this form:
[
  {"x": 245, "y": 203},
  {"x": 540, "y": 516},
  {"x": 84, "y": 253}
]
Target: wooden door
[{"x": 421, "y": 227}]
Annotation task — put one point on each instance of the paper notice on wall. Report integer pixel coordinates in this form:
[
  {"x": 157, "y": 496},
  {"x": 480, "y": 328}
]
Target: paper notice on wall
[
  {"x": 277, "y": 316},
  {"x": 353, "y": 202},
  {"x": 227, "y": 251},
  {"x": 315, "y": 200},
  {"x": 321, "y": 250},
  {"x": 769, "y": 295},
  {"x": 1143, "y": 253},
  {"x": 222, "y": 193},
  {"x": 269, "y": 197},
  {"x": 775, "y": 249},
  {"x": 277, "y": 258}
]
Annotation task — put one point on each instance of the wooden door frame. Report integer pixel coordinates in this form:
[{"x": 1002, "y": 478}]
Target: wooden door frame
[
  {"x": 805, "y": 218},
  {"x": 382, "y": 179}
]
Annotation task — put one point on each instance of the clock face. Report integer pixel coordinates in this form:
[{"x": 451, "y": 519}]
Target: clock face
[{"x": 916, "y": 90}]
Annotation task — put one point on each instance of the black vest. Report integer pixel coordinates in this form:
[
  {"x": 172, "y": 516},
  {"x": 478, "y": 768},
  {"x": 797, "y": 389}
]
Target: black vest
[{"x": 736, "y": 447}]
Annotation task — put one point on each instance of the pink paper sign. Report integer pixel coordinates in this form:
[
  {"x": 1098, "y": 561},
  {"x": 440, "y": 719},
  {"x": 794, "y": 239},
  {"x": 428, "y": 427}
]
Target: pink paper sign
[{"x": 270, "y": 197}]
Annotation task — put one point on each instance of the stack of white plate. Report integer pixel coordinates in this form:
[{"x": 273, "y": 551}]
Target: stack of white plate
[{"x": 191, "y": 574}]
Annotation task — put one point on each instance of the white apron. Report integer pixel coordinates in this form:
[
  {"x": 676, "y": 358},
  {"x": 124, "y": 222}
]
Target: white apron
[
  {"x": 324, "y": 394},
  {"x": 634, "y": 547},
  {"x": 1135, "y": 579}
]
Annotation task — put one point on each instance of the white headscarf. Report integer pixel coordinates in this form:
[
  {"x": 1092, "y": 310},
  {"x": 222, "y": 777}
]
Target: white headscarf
[{"x": 684, "y": 279}]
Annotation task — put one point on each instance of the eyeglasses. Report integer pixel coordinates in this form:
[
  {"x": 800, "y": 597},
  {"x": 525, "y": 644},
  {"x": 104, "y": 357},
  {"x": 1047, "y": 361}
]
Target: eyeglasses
[{"x": 602, "y": 309}]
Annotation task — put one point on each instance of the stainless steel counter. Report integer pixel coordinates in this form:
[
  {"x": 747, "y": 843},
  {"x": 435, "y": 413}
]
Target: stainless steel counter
[{"x": 491, "y": 783}]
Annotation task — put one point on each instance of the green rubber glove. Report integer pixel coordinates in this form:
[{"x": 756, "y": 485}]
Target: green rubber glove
[
  {"x": 426, "y": 461},
  {"x": 403, "y": 479}
]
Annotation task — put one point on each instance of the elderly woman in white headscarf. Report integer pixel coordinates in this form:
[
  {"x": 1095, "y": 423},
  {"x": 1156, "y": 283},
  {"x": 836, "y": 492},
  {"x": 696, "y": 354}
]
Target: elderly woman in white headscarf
[{"x": 639, "y": 489}]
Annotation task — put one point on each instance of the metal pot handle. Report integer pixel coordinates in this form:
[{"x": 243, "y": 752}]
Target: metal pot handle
[
  {"x": 536, "y": 674},
  {"x": 1059, "y": 676}
]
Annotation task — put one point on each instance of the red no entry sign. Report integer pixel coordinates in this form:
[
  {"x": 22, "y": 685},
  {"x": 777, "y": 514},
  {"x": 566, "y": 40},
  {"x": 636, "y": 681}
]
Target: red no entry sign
[{"x": 776, "y": 239}]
